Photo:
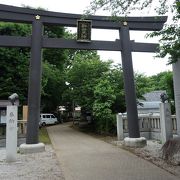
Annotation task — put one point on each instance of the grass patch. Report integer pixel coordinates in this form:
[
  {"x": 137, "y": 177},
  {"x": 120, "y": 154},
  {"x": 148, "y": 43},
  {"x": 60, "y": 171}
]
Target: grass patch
[{"x": 43, "y": 136}]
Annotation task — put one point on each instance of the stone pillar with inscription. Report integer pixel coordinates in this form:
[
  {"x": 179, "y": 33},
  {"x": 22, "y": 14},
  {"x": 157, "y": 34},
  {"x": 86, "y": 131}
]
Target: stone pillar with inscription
[{"x": 11, "y": 134}]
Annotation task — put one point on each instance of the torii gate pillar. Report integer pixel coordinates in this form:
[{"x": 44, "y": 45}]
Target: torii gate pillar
[
  {"x": 130, "y": 94},
  {"x": 134, "y": 139},
  {"x": 34, "y": 92}
]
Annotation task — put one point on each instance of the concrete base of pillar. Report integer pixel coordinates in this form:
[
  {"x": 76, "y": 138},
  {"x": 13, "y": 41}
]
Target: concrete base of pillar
[
  {"x": 135, "y": 142},
  {"x": 31, "y": 148}
]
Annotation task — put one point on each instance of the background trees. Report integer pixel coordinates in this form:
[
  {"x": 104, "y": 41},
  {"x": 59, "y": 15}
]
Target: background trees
[
  {"x": 83, "y": 75},
  {"x": 163, "y": 80},
  {"x": 14, "y": 67},
  {"x": 14, "y": 64},
  {"x": 102, "y": 107},
  {"x": 54, "y": 61},
  {"x": 97, "y": 87}
]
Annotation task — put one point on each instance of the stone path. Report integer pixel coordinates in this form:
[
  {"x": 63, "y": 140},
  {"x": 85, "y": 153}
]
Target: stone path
[{"x": 86, "y": 158}]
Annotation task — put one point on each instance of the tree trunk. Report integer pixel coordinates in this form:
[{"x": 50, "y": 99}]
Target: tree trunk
[{"x": 176, "y": 80}]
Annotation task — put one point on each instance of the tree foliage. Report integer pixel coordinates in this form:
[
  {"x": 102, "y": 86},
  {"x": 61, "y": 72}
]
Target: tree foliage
[
  {"x": 115, "y": 77},
  {"x": 163, "y": 81},
  {"x": 14, "y": 64},
  {"x": 54, "y": 61},
  {"x": 83, "y": 75},
  {"x": 160, "y": 81},
  {"x": 14, "y": 67},
  {"x": 104, "y": 98},
  {"x": 142, "y": 84},
  {"x": 52, "y": 87},
  {"x": 170, "y": 36},
  {"x": 128, "y": 7},
  {"x": 55, "y": 56},
  {"x": 97, "y": 87}
]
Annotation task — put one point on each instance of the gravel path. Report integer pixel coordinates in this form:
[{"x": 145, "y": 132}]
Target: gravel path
[{"x": 31, "y": 166}]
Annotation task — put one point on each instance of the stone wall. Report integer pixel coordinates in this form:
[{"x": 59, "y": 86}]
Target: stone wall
[{"x": 150, "y": 126}]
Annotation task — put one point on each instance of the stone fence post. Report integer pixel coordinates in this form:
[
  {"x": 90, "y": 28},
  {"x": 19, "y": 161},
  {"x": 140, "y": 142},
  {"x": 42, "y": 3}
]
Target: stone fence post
[
  {"x": 166, "y": 122},
  {"x": 176, "y": 80},
  {"x": 119, "y": 120}
]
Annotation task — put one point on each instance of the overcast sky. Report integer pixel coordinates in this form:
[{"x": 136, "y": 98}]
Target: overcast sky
[{"x": 142, "y": 62}]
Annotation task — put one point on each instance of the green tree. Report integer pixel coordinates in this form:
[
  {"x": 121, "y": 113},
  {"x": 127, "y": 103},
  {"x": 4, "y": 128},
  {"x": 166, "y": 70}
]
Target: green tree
[
  {"x": 170, "y": 36},
  {"x": 163, "y": 81},
  {"x": 52, "y": 87},
  {"x": 14, "y": 64},
  {"x": 104, "y": 98},
  {"x": 126, "y": 7},
  {"x": 54, "y": 61},
  {"x": 83, "y": 75},
  {"x": 14, "y": 67},
  {"x": 55, "y": 56},
  {"x": 97, "y": 87},
  {"x": 115, "y": 77},
  {"x": 160, "y": 81},
  {"x": 142, "y": 84}
]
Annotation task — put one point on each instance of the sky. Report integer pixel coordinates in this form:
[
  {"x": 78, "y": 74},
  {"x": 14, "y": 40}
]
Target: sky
[{"x": 145, "y": 63}]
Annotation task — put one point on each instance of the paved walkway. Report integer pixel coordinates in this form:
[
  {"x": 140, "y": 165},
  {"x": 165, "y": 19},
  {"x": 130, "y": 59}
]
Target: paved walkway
[{"x": 83, "y": 157}]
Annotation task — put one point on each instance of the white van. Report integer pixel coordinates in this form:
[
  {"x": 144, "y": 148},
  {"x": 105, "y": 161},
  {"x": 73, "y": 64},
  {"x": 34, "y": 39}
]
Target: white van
[{"x": 46, "y": 119}]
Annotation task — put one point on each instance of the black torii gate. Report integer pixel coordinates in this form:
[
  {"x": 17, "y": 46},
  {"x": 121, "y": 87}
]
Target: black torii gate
[{"x": 37, "y": 41}]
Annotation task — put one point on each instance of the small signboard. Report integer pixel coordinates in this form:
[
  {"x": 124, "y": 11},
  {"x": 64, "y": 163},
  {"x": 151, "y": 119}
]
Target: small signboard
[{"x": 84, "y": 30}]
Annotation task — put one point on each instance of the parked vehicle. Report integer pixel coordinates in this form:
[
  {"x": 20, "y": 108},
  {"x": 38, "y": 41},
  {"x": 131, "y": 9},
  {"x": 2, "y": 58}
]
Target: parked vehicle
[{"x": 47, "y": 119}]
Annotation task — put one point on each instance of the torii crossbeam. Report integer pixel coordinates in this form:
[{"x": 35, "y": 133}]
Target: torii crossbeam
[{"x": 37, "y": 41}]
